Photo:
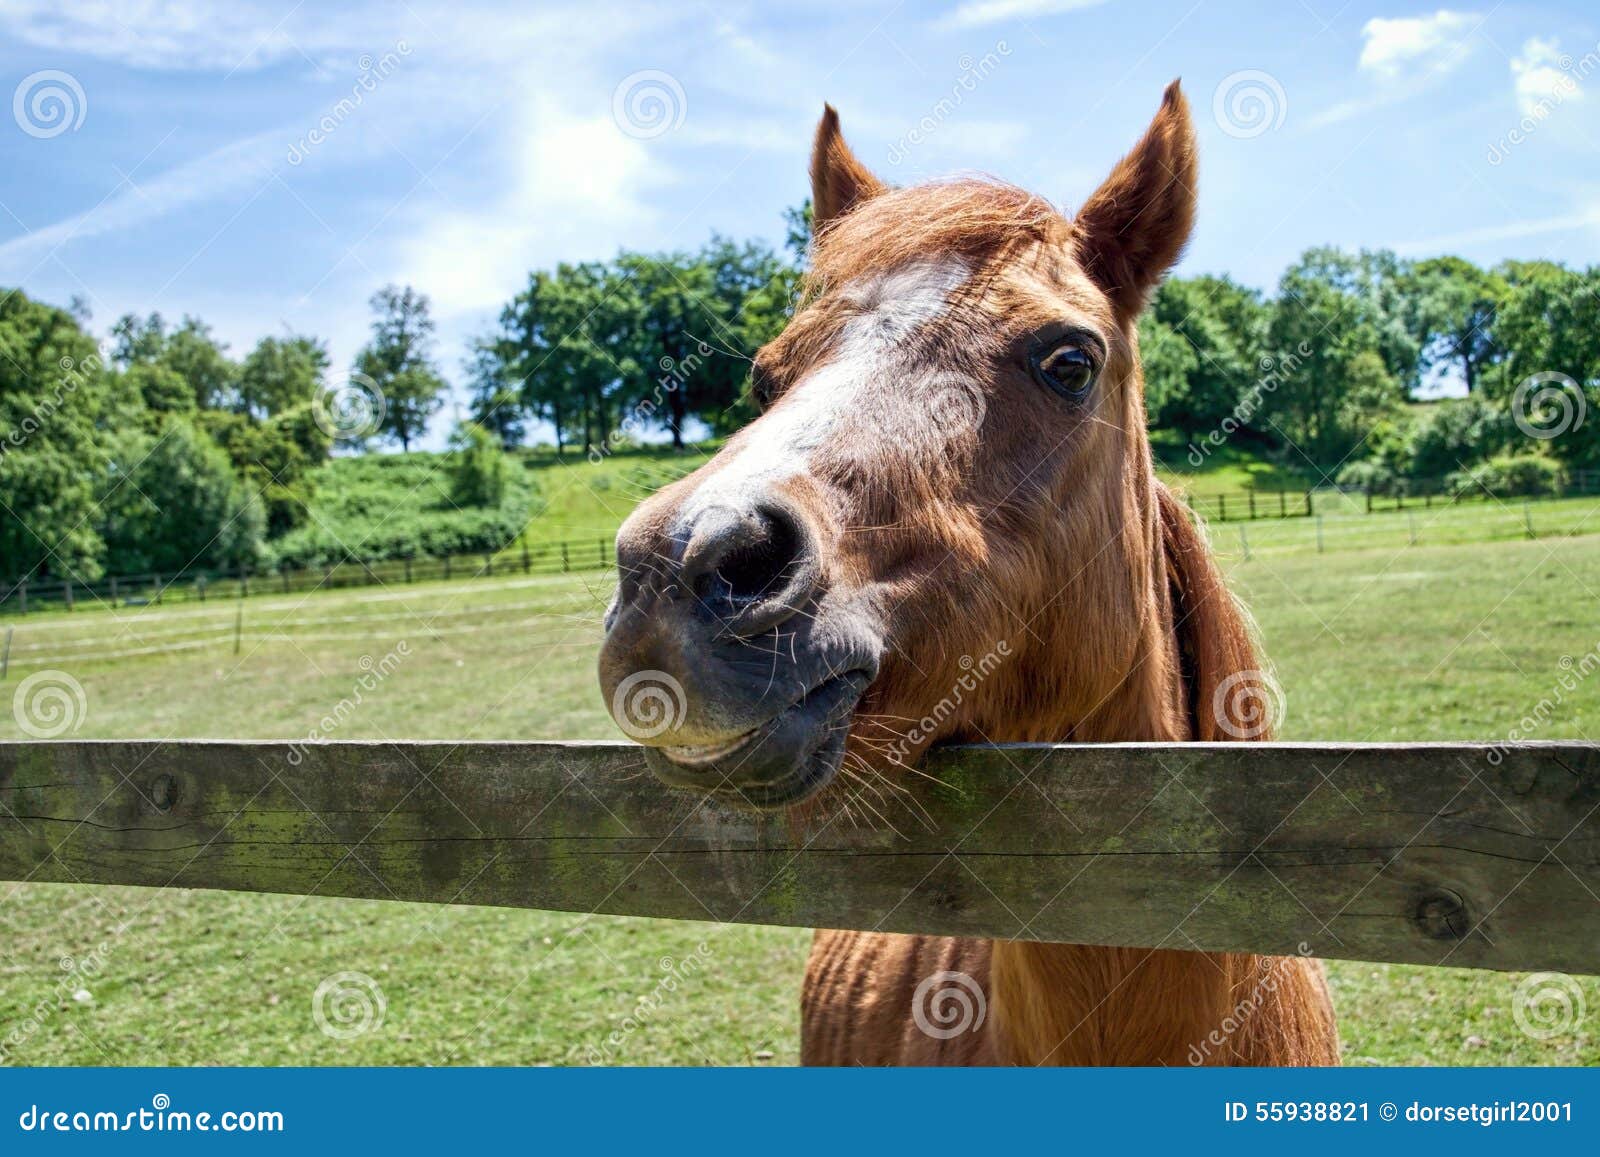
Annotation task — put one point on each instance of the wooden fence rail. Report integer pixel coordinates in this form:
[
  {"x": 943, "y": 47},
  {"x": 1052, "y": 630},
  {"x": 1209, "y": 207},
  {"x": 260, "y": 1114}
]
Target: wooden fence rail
[{"x": 1458, "y": 854}]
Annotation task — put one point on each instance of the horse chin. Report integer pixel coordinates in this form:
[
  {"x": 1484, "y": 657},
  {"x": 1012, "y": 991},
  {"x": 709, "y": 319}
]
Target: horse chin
[{"x": 783, "y": 762}]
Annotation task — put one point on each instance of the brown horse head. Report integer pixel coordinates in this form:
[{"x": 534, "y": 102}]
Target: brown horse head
[{"x": 944, "y": 524}]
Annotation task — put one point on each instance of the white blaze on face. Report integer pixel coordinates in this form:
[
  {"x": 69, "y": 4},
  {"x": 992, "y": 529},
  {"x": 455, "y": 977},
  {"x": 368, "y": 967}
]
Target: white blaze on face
[{"x": 780, "y": 443}]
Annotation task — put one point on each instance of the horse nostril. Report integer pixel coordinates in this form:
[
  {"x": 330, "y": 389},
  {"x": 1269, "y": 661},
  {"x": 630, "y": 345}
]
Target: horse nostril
[
  {"x": 741, "y": 560},
  {"x": 757, "y": 569}
]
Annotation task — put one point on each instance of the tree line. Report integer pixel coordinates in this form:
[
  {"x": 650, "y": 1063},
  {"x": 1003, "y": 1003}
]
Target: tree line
[{"x": 162, "y": 451}]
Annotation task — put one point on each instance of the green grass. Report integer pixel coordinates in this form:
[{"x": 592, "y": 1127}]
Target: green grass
[{"x": 1377, "y": 640}]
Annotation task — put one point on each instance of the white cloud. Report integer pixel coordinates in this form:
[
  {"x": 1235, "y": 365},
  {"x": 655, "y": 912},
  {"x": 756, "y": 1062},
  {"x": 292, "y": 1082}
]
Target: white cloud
[
  {"x": 1404, "y": 57},
  {"x": 1542, "y": 76},
  {"x": 576, "y": 188},
  {"x": 978, "y": 12},
  {"x": 1399, "y": 47},
  {"x": 1508, "y": 231}
]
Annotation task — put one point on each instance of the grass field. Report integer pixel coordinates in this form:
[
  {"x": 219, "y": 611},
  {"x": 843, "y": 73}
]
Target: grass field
[{"x": 1374, "y": 640}]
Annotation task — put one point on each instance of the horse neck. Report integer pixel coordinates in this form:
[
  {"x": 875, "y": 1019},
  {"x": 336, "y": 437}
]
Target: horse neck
[{"x": 1072, "y": 1004}]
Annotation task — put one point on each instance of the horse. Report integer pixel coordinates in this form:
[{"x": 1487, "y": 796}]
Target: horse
[{"x": 950, "y": 460}]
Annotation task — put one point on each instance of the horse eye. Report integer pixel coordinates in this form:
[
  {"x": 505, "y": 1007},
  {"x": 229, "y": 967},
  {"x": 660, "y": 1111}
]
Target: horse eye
[{"x": 1067, "y": 369}]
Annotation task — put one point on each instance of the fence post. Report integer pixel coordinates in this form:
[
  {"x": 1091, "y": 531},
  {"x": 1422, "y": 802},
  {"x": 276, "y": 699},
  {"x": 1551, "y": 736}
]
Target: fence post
[
  {"x": 22, "y": 594},
  {"x": 1283, "y": 505},
  {"x": 1244, "y": 541},
  {"x": 244, "y": 580},
  {"x": 200, "y": 588},
  {"x": 447, "y": 567},
  {"x": 113, "y": 591},
  {"x": 1308, "y": 504},
  {"x": 283, "y": 573},
  {"x": 1369, "y": 501},
  {"x": 157, "y": 577},
  {"x": 526, "y": 564},
  {"x": 5, "y": 655},
  {"x": 1527, "y": 518},
  {"x": 602, "y": 555},
  {"x": 66, "y": 589},
  {"x": 565, "y": 566},
  {"x": 1252, "y": 504},
  {"x": 488, "y": 565},
  {"x": 238, "y": 623},
  {"x": 408, "y": 568},
  {"x": 1319, "y": 534},
  {"x": 1222, "y": 508}
]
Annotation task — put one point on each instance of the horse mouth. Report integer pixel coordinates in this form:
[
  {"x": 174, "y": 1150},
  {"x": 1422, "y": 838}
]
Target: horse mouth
[{"x": 781, "y": 762}]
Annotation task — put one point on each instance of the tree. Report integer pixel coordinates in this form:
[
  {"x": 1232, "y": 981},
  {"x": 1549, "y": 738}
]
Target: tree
[
  {"x": 175, "y": 503},
  {"x": 494, "y": 401},
  {"x": 1549, "y": 323},
  {"x": 192, "y": 353},
  {"x": 280, "y": 374},
  {"x": 1224, "y": 324},
  {"x": 1456, "y": 303},
  {"x": 399, "y": 362},
  {"x": 54, "y": 391},
  {"x": 1331, "y": 385},
  {"x": 1169, "y": 363}
]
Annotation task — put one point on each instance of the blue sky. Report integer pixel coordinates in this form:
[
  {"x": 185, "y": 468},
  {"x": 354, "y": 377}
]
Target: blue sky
[{"x": 268, "y": 165}]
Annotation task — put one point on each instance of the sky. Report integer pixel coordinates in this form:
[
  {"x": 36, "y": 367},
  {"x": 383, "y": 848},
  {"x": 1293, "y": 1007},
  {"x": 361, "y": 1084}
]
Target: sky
[{"x": 267, "y": 165}]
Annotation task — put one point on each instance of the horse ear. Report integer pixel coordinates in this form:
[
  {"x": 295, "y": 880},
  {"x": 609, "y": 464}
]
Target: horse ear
[
  {"x": 1135, "y": 226},
  {"x": 839, "y": 182}
]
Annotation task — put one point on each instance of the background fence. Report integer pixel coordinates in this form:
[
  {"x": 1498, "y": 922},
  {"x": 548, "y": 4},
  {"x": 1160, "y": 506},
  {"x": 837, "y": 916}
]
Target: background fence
[
  {"x": 1484, "y": 855},
  {"x": 20, "y": 596}
]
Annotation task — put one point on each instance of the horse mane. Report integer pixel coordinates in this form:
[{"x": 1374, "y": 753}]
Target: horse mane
[
  {"x": 976, "y": 218},
  {"x": 1222, "y": 677}
]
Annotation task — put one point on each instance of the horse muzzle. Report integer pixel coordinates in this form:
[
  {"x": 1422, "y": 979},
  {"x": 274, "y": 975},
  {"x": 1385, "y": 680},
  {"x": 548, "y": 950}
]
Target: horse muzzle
[{"x": 726, "y": 654}]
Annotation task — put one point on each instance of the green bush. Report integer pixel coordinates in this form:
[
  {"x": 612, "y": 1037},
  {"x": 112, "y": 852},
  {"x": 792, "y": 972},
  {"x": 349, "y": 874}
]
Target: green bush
[
  {"x": 1371, "y": 476},
  {"x": 1509, "y": 476},
  {"x": 383, "y": 506}
]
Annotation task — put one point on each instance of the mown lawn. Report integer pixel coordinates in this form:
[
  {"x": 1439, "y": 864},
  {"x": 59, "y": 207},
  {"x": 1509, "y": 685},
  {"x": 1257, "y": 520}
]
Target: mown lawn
[{"x": 1434, "y": 641}]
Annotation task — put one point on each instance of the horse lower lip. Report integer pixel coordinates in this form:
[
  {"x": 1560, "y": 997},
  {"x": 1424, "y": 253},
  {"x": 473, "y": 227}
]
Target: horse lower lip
[{"x": 699, "y": 756}]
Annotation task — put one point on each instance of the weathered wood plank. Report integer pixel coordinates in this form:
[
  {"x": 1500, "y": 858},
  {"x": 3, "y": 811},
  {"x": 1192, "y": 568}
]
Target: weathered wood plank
[{"x": 1427, "y": 853}]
